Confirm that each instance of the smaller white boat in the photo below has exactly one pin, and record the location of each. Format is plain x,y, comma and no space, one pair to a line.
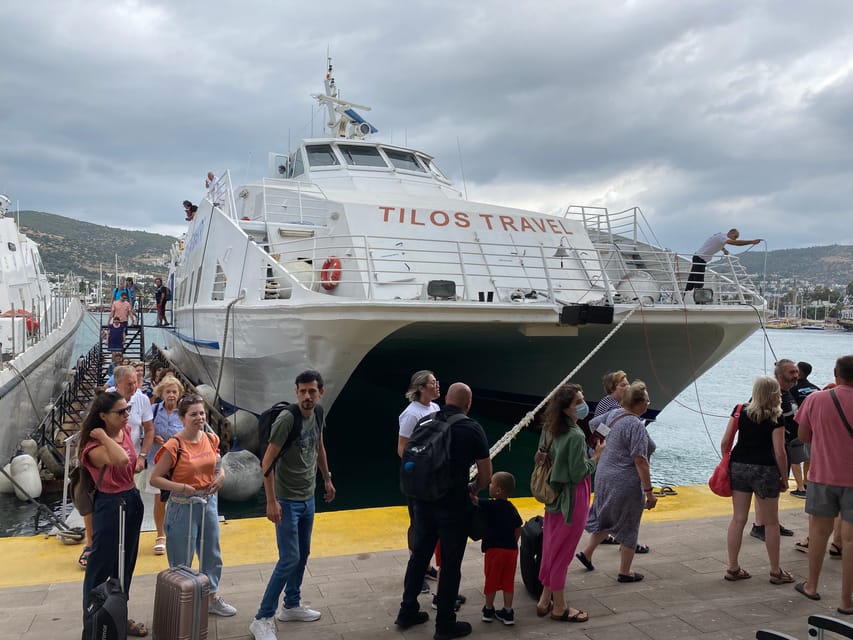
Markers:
37,327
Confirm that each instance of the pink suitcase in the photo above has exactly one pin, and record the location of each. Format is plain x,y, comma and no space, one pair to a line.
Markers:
181,597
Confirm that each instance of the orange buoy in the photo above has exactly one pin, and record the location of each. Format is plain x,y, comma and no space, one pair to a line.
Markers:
330,274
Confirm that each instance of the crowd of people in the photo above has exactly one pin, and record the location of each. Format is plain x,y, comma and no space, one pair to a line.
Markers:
127,427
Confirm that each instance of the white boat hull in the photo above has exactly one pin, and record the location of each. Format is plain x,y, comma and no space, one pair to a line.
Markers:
32,379
516,352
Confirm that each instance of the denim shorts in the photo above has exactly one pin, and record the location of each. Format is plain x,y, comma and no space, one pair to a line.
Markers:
761,479
829,500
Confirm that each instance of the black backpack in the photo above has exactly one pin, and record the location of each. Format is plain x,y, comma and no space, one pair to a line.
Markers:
425,465
268,417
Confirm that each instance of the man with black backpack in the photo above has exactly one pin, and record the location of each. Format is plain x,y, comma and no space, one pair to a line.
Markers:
294,454
434,473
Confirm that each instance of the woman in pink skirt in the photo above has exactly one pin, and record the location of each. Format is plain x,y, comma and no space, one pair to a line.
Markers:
563,440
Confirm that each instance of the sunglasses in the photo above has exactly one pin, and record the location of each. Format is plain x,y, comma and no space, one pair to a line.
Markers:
125,411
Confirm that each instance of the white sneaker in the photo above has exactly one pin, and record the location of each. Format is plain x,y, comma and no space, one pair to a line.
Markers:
263,629
300,613
219,607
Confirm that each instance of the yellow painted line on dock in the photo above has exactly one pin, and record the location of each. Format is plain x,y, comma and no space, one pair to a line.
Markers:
39,560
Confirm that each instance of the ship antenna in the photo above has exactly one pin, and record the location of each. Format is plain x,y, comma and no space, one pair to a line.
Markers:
462,167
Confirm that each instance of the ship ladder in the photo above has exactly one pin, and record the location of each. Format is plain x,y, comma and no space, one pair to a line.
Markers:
507,438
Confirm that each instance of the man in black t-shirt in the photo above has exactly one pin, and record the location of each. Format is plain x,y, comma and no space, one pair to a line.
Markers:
447,520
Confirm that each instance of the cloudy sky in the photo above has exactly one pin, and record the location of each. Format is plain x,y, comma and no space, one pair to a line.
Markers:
706,114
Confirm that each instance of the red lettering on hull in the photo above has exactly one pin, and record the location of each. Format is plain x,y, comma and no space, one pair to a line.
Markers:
463,220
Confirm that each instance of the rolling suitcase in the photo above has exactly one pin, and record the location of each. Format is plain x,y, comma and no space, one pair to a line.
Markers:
181,596
105,618
530,555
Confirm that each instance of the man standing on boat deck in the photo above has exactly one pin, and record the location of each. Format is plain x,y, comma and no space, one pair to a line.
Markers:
290,504
785,372
825,422
447,520
708,250
162,295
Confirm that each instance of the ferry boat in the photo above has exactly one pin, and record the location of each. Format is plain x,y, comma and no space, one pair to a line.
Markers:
361,259
37,330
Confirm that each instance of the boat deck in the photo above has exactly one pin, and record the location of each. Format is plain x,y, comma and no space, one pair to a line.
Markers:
355,574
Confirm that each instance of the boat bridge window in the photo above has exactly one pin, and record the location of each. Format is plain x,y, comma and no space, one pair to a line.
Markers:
403,160
362,156
321,155
298,167
434,169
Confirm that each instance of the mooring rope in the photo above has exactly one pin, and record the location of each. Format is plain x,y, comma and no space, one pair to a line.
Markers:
510,435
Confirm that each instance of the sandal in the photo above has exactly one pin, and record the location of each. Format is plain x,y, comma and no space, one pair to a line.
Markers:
737,574
834,550
665,490
781,577
575,617
160,545
610,540
137,629
641,548
83,560
580,555
802,546
544,612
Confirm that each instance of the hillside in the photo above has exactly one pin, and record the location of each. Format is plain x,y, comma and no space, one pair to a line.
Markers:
827,265
72,245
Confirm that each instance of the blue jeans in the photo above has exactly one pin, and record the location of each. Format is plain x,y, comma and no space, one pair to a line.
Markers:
179,528
293,537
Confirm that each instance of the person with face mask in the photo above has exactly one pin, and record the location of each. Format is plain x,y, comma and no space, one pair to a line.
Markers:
623,483
564,443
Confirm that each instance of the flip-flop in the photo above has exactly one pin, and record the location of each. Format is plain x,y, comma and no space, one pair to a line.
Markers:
845,612
641,548
802,546
576,617
83,560
801,587
580,555
834,550
665,490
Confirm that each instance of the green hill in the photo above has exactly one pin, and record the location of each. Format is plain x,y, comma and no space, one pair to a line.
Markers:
827,265
81,247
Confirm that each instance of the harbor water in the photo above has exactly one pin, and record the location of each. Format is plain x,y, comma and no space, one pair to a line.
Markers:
362,427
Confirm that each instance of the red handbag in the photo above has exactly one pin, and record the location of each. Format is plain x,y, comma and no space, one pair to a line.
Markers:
720,481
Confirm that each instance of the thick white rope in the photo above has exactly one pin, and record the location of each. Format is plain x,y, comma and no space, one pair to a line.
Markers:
510,435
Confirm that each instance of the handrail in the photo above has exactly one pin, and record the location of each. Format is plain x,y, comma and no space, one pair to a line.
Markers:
373,266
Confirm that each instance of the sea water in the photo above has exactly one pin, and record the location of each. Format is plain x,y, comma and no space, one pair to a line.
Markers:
688,431
362,430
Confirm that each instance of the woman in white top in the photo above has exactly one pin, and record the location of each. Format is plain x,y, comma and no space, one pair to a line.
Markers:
423,389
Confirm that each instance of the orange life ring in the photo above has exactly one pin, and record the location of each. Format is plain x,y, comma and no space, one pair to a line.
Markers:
31,323
330,274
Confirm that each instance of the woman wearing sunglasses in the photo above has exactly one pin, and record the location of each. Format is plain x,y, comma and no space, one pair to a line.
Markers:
107,452
188,466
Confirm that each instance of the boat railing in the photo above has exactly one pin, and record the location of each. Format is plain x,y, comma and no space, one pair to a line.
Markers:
29,325
398,268
221,194
294,202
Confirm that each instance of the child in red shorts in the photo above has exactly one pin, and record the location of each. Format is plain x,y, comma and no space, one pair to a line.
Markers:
500,544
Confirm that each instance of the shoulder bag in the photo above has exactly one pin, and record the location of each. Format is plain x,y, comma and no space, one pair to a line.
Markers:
83,488
840,411
540,479
721,481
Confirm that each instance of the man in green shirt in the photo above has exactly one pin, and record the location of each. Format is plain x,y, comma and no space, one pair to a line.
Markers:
290,505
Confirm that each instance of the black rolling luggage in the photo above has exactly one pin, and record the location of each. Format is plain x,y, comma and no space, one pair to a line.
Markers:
106,616
530,555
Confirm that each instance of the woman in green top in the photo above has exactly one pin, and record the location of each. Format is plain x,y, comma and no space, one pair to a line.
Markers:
563,440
